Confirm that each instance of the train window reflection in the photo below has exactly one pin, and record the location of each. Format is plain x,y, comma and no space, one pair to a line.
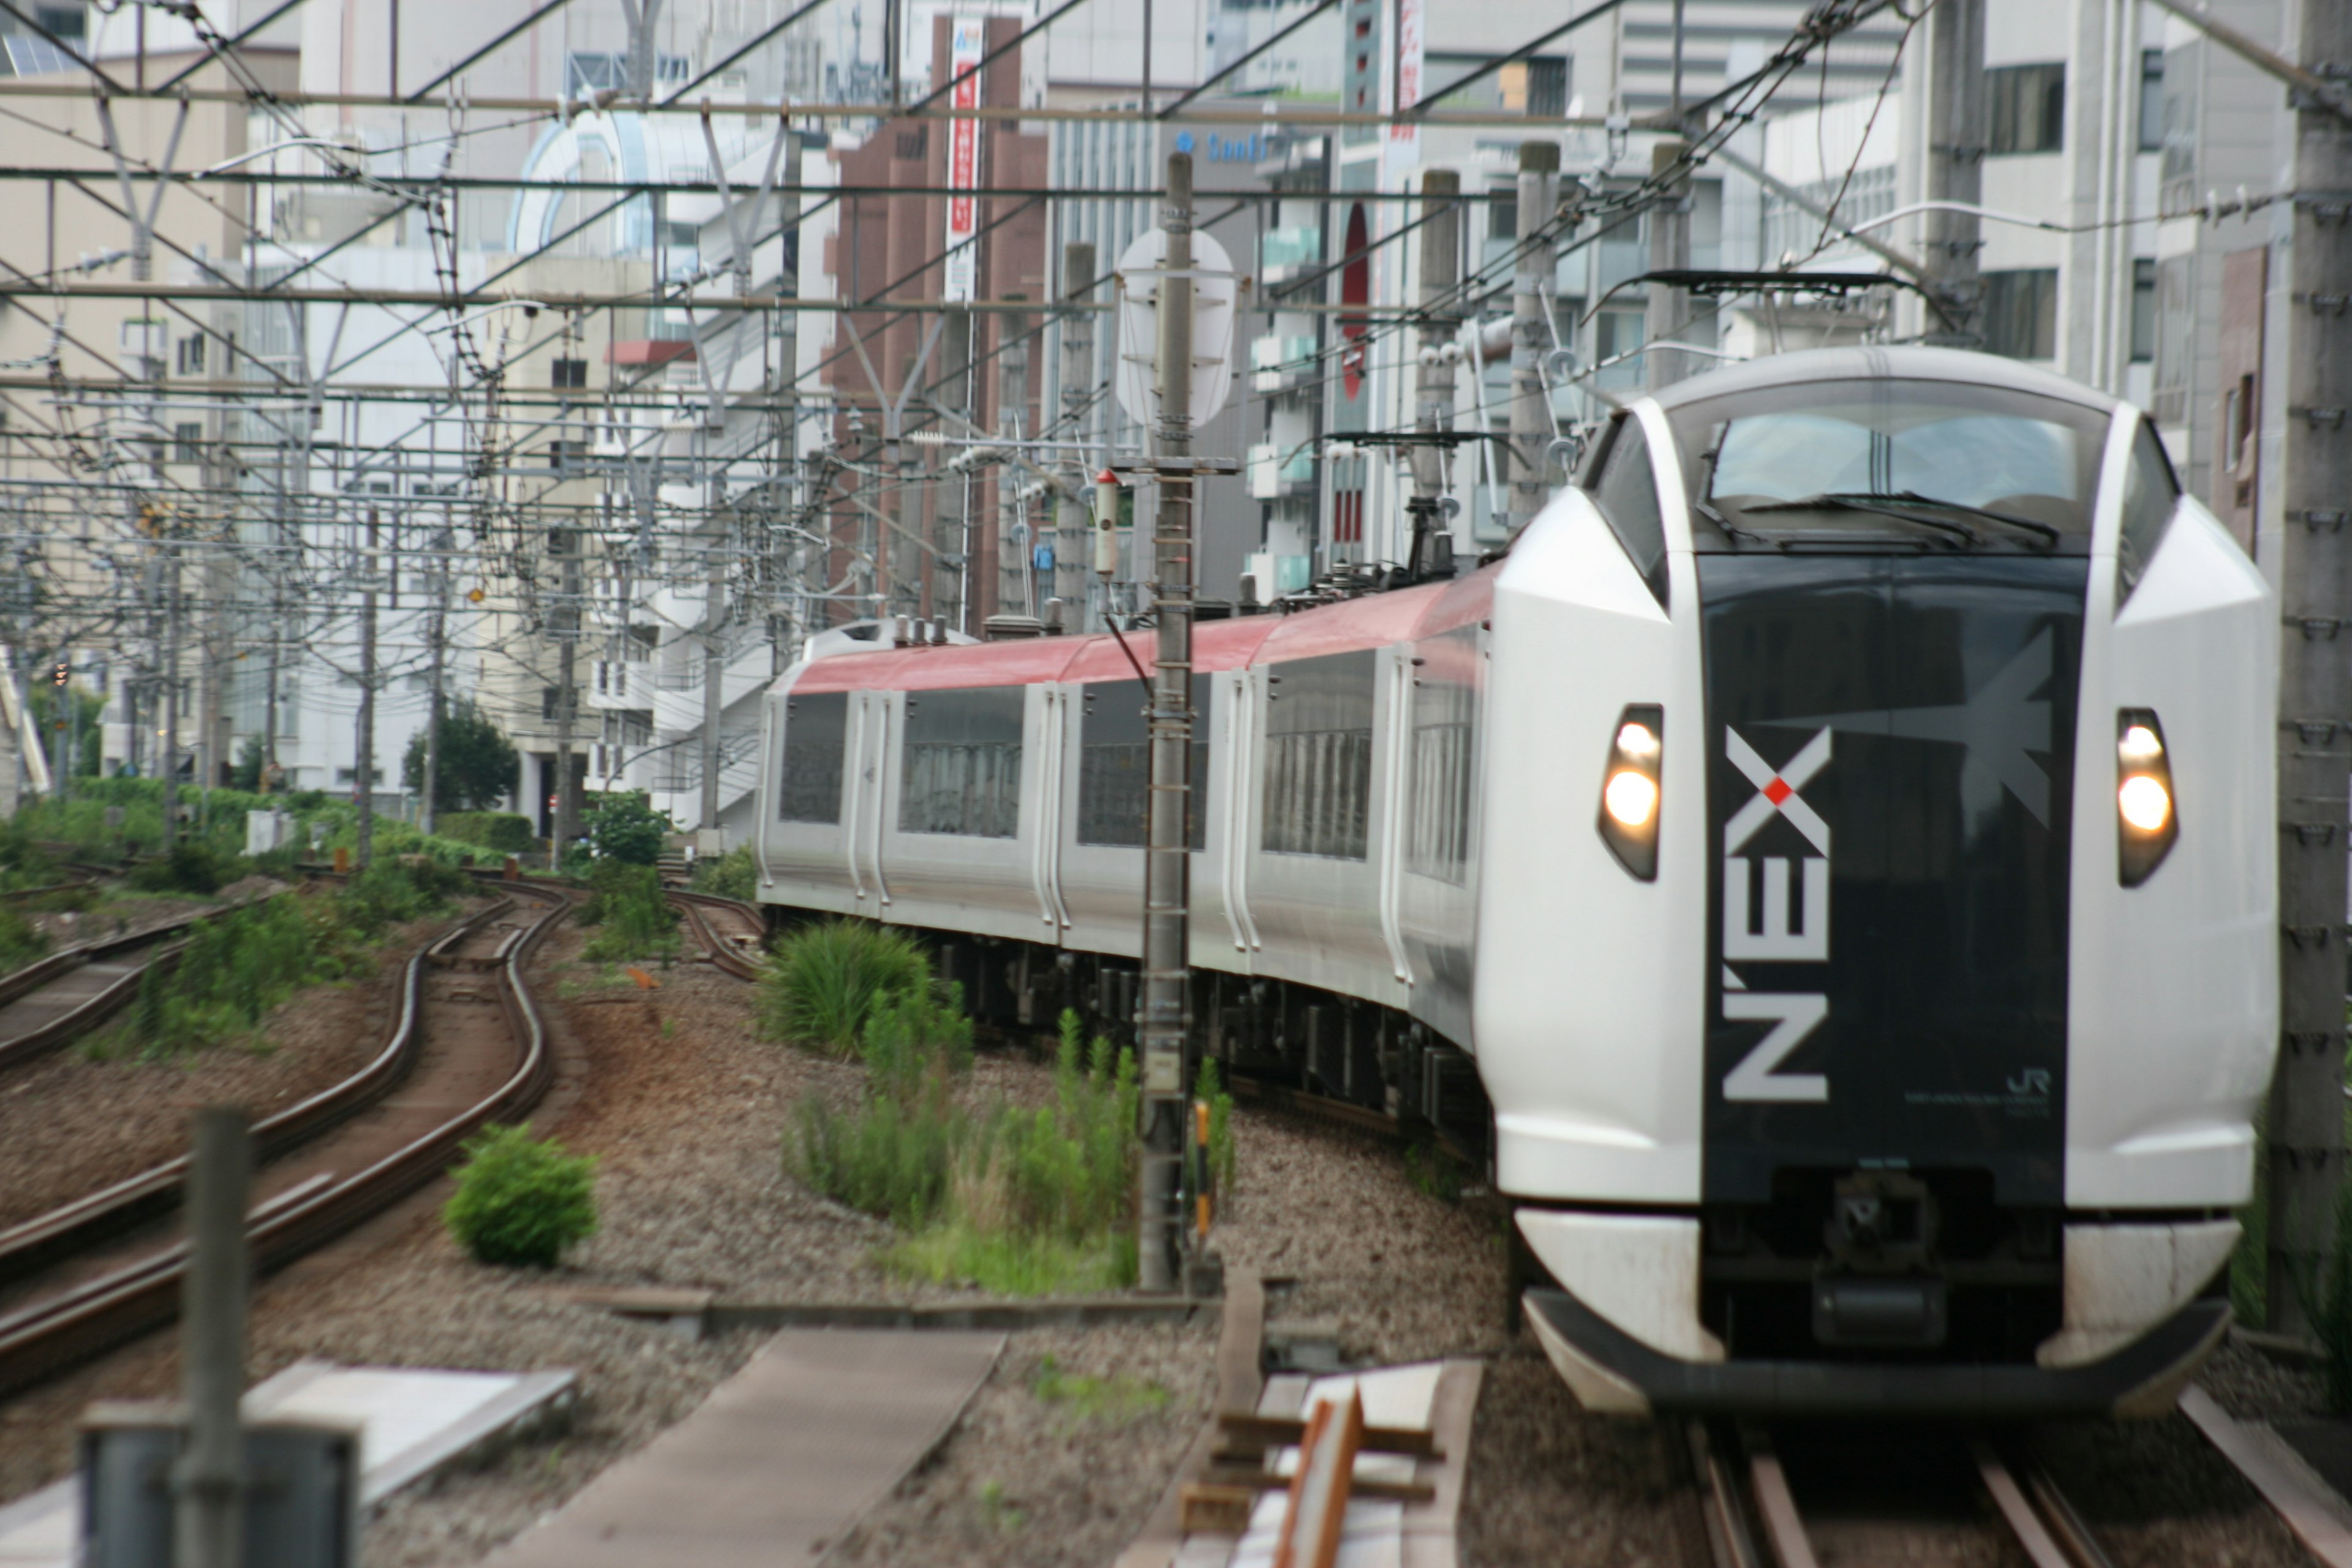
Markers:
1959,465
962,763
809,783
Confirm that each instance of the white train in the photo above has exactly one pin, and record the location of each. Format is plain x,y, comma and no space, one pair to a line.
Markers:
1837,839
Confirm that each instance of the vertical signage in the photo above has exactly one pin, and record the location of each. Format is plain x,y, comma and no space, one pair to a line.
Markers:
1404,136
969,37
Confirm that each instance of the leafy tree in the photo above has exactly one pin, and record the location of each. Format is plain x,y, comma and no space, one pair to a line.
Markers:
83,712
625,827
477,764
246,773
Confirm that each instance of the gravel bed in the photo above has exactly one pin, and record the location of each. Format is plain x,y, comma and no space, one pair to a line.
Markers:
1042,1475
2158,1496
71,1123
2255,1386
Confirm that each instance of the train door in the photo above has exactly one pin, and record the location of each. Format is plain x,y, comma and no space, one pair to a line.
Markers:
866,797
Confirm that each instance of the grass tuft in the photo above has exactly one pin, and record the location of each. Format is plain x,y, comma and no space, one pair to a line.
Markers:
1117,1401
827,980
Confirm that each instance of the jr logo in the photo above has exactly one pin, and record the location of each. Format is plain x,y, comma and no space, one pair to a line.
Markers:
1779,937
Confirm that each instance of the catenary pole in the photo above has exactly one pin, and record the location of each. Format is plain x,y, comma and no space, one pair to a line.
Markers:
1957,115
1433,374
1071,550
1531,422
1167,889
363,737
2305,425
1668,310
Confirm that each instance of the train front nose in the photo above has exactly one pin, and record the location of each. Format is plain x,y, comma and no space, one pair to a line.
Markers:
1888,791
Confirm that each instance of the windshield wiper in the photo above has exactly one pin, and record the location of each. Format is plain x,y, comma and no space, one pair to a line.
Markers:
1879,505
2048,535
1730,529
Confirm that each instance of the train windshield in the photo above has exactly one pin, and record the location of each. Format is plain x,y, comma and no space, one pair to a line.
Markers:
1885,464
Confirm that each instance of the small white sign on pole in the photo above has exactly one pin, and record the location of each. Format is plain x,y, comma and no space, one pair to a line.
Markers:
968,42
1214,319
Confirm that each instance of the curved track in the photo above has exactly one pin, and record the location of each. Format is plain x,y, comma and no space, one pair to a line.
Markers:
468,1049
730,930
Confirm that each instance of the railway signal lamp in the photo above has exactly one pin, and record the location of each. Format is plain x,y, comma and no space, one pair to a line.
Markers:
1630,789
2145,824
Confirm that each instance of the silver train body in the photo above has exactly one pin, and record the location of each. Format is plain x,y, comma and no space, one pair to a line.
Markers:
1827,863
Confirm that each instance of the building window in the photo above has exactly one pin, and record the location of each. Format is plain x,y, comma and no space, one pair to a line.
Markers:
191,357
188,442
2029,107
814,732
2151,101
2021,313
1503,213
2175,315
1318,764
1115,765
65,22
2143,317
570,372
962,765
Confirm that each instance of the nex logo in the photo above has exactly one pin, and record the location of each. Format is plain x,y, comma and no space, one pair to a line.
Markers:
1804,939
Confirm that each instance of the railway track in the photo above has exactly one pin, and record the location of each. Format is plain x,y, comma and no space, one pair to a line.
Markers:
468,1047
56,1000
1799,1497
731,931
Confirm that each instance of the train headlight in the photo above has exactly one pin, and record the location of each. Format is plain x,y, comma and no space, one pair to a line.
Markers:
2145,824
1630,788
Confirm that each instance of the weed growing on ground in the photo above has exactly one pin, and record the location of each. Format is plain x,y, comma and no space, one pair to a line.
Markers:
237,966
521,1200
625,901
829,979
21,940
1017,1200
1117,1401
1209,1089
996,1513
1433,1171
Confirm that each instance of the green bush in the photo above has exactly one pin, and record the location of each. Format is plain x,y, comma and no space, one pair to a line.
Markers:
1209,1089
500,832
521,1200
734,875
625,827
21,940
636,922
891,1156
829,979
191,866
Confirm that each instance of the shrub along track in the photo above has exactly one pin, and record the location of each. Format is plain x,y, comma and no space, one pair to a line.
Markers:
730,930
468,1047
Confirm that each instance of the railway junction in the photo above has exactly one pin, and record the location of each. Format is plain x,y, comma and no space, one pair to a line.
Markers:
1175,782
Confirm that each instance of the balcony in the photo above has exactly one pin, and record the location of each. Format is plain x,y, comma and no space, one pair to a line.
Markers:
1273,475
1280,363
1287,255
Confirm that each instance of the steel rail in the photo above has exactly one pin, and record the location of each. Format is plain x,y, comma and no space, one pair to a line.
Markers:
724,954
43,1338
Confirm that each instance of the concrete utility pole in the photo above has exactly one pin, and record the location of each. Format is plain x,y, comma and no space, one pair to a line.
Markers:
564,544
1071,552
1167,863
714,672
1014,578
168,750
1531,423
208,1481
1959,116
951,596
2307,428
1441,246
1667,317
363,737
428,809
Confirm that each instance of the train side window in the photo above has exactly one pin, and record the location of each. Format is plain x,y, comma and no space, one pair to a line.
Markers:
814,728
961,771
1444,716
1114,764
1626,490
1318,756
2151,495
